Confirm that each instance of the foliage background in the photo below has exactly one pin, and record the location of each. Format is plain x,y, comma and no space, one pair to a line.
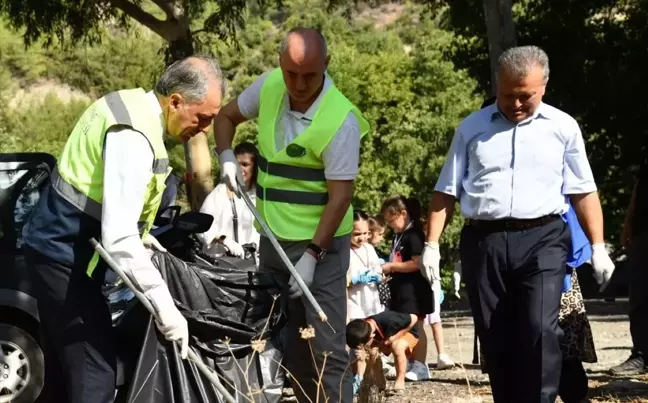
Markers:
415,70
398,75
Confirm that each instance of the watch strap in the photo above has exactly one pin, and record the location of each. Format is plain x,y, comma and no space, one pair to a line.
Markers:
319,252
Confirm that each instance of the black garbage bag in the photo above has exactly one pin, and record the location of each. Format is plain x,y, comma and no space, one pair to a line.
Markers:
228,309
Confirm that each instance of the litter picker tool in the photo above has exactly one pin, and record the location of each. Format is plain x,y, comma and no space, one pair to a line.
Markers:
211,375
282,254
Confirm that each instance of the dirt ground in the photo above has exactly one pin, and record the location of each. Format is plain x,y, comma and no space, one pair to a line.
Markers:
467,384
610,326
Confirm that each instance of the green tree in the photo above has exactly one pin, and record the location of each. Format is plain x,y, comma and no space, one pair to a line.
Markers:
398,75
596,74
400,79
22,132
175,21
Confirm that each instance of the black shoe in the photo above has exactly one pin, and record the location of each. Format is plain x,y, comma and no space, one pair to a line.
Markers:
632,366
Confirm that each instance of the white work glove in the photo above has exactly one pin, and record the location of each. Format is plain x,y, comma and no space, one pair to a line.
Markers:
171,323
150,242
602,265
234,248
456,280
430,261
306,269
230,170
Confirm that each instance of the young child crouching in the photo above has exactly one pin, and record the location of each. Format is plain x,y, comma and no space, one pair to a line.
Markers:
393,333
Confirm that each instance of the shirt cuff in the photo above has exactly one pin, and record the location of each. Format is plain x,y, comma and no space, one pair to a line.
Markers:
581,188
342,177
449,190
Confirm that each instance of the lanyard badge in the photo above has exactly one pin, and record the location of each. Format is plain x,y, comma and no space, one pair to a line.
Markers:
395,255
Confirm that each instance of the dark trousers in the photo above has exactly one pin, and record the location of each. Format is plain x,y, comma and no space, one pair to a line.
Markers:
638,295
76,333
307,358
573,382
514,281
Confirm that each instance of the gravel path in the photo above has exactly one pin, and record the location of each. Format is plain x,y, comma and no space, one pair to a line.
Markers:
612,339
462,385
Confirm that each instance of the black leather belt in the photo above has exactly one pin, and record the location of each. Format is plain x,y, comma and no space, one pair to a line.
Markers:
512,224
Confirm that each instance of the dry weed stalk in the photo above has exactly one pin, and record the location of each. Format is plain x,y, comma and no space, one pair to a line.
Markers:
373,382
460,345
258,347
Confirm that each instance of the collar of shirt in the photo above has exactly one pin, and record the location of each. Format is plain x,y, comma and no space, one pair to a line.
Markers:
309,115
541,112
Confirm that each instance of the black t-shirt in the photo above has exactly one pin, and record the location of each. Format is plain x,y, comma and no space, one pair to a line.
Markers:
410,292
390,323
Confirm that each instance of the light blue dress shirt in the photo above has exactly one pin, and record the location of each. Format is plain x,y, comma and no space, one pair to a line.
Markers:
500,169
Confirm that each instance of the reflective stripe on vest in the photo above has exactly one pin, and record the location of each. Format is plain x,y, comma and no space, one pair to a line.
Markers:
291,196
83,202
291,172
291,184
75,197
79,174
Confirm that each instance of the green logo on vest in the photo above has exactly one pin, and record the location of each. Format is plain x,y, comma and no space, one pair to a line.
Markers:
295,151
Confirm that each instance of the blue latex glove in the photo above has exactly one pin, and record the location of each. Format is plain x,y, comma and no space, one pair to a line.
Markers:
357,382
373,278
360,278
365,278
567,283
381,261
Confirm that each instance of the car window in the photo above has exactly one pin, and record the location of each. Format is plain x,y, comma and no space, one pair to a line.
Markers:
26,195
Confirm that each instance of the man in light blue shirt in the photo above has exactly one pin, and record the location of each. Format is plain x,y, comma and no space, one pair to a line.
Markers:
512,166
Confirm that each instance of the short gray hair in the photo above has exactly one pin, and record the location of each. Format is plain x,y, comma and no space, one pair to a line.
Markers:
300,30
520,60
190,79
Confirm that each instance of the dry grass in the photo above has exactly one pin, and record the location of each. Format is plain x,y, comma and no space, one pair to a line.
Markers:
469,389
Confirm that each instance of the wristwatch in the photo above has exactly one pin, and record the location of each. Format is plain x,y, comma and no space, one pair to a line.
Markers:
319,252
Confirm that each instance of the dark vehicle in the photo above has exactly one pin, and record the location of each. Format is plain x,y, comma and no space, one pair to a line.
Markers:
23,176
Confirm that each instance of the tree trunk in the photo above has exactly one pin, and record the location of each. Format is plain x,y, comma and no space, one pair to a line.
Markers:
176,30
197,153
501,33
198,159
181,47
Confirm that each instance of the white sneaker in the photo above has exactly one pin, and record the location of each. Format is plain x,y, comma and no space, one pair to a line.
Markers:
385,361
418,372
390,370
444,362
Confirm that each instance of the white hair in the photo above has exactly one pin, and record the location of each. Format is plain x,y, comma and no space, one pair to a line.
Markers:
190,79
519,61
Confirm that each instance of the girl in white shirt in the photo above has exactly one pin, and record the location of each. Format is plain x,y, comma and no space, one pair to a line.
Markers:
364,272
226,208
363,277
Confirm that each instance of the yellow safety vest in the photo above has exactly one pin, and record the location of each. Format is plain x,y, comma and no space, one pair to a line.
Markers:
79,174
291,186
